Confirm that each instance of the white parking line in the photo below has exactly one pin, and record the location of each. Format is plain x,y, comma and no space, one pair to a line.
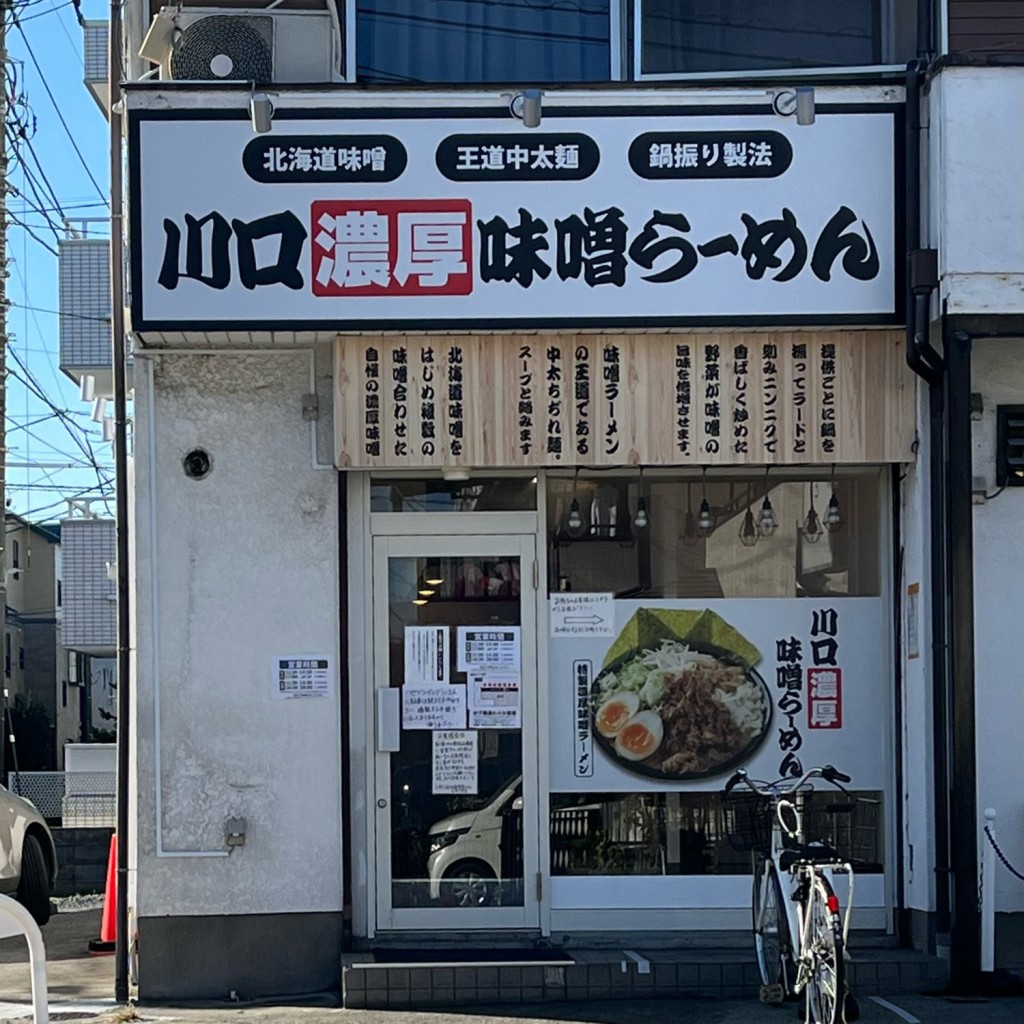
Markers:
893,1008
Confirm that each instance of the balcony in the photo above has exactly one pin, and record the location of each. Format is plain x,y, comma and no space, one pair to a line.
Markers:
88,546
95,47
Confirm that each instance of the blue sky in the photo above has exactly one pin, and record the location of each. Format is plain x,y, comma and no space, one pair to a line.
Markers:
39,442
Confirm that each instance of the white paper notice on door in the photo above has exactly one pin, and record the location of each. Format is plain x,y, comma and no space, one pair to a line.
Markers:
454,763
426,655
496,646
433,707
495,700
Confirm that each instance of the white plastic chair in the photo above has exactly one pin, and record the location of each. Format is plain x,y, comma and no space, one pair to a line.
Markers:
16,920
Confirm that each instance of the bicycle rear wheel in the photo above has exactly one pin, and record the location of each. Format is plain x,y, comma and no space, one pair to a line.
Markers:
772,942
826,984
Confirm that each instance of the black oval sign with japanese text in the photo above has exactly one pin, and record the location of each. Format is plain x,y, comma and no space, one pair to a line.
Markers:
657,155
312,159
518,156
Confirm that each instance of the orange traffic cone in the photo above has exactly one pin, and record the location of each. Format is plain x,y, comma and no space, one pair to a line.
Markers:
108,925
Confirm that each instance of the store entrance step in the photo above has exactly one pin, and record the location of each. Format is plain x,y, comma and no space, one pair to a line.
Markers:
399,981
468,955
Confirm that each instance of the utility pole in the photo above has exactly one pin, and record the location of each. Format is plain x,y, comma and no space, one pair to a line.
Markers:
4,5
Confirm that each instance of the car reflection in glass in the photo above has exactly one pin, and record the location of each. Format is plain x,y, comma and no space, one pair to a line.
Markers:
465,859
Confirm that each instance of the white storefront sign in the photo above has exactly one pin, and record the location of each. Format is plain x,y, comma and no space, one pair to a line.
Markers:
461,218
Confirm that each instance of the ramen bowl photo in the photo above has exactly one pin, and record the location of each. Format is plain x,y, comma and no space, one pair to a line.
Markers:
669,703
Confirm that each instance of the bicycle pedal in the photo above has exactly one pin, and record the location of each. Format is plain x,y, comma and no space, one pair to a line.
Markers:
774,995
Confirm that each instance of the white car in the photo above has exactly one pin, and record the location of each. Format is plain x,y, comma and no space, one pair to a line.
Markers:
28,857
465,850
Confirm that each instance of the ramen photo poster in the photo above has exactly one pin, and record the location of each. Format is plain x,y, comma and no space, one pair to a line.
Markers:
681,694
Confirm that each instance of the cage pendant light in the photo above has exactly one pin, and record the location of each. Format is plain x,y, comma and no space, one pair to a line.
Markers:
812,524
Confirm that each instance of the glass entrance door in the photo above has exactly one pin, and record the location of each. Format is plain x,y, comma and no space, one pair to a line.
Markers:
455,694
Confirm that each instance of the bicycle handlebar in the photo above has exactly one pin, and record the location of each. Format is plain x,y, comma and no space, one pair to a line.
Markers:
827,772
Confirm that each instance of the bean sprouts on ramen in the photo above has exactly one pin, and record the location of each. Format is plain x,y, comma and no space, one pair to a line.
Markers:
705,710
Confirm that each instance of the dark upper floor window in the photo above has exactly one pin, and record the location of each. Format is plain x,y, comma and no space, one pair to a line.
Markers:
468,41
523,42
700,36
15,555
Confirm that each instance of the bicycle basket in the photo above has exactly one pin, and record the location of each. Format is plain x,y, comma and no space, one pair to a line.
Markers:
748,823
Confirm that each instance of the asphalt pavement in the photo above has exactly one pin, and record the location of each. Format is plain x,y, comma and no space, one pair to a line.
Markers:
81,989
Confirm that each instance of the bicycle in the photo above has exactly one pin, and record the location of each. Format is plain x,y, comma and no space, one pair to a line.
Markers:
799,941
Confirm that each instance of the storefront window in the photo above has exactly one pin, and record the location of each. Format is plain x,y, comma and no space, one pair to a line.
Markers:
688,36
458,41
507,494
597,544
696,833
701,624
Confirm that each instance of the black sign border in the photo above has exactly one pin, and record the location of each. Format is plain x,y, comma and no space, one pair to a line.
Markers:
140,324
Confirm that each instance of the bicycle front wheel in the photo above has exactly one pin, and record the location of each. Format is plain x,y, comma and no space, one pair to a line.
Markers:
826,983
771,930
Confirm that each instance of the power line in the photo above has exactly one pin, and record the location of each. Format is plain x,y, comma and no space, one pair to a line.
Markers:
39,391
63,501
56,107
52,10
37,206
21,224
57,312
35,318
35,157
33,206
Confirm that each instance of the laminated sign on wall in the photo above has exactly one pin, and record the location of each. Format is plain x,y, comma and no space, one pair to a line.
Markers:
461,219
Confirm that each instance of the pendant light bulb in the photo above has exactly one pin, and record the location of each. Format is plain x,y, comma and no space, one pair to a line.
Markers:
641,520
767,523
833,515
748,531
575,520
705,524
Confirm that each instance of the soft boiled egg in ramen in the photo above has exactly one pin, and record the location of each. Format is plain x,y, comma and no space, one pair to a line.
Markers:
640,736
615,712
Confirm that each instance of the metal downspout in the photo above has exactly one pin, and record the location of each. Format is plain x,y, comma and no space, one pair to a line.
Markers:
929,364
965,932
121,500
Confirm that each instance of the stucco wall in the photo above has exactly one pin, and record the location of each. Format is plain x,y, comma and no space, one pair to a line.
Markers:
998,374
246,565
975,153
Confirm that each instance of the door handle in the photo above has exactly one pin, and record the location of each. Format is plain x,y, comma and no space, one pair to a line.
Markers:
389,720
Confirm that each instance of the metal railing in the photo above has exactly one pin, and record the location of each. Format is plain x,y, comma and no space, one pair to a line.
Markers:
69,799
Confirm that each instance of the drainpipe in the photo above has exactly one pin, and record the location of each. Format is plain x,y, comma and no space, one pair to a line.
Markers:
964,939
121,500
926,362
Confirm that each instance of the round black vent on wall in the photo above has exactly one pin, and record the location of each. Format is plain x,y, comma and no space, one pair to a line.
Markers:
225,48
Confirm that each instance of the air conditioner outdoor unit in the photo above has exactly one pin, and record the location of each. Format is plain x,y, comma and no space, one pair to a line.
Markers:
249,45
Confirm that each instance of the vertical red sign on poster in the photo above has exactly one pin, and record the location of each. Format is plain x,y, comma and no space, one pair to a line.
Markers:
824,698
